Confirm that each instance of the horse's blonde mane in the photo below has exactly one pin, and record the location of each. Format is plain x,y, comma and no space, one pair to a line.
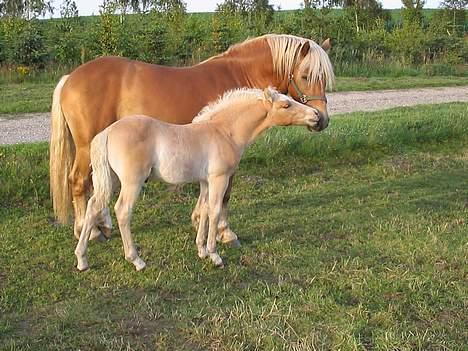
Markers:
232,96
285,53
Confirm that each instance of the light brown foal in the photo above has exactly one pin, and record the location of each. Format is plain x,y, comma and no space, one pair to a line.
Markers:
207,151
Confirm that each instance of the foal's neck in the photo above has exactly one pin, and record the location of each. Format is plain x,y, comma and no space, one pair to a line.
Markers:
243,125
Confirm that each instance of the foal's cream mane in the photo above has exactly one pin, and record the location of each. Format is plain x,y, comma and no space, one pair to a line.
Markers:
285,53
228,98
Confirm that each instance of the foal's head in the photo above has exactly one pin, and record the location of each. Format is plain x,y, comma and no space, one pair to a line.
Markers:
285,111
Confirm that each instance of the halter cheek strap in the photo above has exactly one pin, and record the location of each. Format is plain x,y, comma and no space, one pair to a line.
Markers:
302,97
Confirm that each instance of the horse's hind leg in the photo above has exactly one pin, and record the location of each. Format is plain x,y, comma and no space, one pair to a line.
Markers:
79,179
123,210
197,211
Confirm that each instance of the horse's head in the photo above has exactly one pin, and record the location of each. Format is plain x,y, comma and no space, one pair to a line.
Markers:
284,111
309,79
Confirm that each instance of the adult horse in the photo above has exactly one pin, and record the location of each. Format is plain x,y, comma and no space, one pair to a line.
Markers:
104,90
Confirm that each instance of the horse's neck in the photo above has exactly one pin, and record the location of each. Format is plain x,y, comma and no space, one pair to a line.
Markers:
244,124
242,68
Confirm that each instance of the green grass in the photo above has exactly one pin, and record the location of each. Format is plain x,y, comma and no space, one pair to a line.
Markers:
37,97
353,239
26,97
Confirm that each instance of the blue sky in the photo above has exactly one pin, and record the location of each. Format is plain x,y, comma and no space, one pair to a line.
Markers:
88,7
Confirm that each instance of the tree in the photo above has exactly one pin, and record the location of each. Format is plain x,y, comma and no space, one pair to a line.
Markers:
456,8
25,8
67,46
412,11
365,13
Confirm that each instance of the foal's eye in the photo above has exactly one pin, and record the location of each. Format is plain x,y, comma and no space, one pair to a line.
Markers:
304,77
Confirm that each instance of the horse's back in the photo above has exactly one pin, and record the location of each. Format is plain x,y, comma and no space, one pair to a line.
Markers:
106,89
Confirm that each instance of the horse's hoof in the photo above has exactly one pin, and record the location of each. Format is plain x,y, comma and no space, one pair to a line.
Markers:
233,243
102,238
106,232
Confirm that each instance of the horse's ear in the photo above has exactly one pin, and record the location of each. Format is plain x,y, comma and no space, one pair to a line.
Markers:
305,49
268,95
326,45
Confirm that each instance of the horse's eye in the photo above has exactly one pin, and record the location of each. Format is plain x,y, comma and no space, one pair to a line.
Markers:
304,77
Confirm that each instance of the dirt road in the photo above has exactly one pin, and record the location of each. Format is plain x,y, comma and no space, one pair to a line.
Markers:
34,127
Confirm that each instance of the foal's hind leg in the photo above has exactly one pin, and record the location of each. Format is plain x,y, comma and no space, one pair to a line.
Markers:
80,184
123,210
92,213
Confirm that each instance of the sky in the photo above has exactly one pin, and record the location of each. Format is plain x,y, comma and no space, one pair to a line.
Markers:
89,7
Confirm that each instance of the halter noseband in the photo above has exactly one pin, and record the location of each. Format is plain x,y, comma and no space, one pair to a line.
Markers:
302,97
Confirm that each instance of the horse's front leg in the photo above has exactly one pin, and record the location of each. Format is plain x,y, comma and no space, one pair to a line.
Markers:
217,186
225,234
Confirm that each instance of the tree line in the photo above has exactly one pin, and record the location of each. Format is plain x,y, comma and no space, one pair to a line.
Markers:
366,38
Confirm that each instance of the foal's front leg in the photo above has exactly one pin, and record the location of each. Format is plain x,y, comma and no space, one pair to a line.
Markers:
216,188
225,234
202,225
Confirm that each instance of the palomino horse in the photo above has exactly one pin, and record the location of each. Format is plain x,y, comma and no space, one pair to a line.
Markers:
104,90
209,150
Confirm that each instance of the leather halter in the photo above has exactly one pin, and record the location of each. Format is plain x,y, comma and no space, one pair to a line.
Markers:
302,97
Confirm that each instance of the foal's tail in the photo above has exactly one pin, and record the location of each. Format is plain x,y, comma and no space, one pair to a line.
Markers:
102,178
61,155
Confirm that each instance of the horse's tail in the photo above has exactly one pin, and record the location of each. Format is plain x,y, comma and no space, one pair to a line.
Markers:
61,155
102,178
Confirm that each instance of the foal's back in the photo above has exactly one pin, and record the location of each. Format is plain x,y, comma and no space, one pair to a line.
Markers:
141,146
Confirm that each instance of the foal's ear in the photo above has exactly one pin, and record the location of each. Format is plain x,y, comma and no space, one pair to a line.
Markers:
268,95
326,45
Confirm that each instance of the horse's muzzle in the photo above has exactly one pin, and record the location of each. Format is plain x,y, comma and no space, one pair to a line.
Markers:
322,122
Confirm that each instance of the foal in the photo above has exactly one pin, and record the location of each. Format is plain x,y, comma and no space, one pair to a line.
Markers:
207,151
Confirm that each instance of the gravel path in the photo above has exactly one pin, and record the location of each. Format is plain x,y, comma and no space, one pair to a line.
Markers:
33,127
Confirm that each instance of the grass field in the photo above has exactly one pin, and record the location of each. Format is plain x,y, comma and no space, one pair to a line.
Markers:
353,239
36,97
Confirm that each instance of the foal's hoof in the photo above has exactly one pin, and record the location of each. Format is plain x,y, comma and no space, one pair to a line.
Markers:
139,264
82,267
217,261
202,252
